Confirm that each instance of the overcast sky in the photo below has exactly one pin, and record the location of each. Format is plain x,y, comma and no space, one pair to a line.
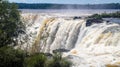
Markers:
67,1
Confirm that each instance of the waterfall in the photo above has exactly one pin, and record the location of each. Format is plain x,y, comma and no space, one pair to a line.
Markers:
89,46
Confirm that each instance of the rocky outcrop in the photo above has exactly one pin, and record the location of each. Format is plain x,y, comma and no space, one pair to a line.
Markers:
91,21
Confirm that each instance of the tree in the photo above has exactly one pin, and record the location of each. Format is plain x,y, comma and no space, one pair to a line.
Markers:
10,24
10,27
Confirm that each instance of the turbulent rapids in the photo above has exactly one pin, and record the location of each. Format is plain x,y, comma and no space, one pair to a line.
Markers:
97,45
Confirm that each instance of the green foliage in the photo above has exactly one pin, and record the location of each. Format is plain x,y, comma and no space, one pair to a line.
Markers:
10,27
41,60
10,24
36,60
10,57
106,15
96,16
57,61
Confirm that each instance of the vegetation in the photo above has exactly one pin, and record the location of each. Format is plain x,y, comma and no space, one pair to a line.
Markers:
106,15
35,60
98,18
10,24
69,6
57,61
41,60
10,27
10,57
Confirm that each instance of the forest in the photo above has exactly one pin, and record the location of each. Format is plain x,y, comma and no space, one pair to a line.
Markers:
68,6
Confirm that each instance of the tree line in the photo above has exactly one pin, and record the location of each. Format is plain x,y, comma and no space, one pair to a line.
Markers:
68,6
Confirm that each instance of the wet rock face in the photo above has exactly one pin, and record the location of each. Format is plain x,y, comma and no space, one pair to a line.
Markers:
91,21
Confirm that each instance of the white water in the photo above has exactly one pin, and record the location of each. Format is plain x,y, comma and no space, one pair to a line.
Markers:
97,45
69,12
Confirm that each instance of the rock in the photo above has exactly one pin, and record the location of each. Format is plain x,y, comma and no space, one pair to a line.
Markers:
76,17
91,21
48,54
60,50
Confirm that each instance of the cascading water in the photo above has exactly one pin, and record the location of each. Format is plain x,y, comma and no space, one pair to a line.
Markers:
89,46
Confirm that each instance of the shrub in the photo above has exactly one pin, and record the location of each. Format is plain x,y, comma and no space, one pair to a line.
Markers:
57,61
10,57
96,16
35,60
106,15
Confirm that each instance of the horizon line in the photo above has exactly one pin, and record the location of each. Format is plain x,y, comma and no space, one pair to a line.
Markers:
67,4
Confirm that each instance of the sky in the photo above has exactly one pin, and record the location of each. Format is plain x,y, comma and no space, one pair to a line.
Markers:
67,1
